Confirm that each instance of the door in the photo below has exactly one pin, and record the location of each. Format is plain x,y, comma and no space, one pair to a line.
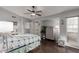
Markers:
49,33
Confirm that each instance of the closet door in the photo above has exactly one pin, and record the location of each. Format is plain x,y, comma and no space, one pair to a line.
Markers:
49,33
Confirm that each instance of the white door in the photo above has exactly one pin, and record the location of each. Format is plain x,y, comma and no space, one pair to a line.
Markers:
49,33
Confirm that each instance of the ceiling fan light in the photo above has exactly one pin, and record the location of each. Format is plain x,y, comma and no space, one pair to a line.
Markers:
33,14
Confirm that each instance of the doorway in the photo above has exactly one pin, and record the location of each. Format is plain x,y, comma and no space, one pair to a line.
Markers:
72,32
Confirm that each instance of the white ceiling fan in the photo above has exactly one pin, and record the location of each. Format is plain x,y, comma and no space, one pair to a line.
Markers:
34,11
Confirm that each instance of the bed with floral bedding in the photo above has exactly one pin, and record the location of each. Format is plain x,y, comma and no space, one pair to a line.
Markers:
18,43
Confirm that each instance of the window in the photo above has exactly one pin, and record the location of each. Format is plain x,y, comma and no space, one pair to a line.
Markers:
72,24
6,26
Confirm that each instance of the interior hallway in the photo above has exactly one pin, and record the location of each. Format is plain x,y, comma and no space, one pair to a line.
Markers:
49,46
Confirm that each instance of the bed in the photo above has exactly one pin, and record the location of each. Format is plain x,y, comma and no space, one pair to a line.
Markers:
18,43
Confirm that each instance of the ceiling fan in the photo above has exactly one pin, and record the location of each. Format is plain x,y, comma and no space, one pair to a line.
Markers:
34,11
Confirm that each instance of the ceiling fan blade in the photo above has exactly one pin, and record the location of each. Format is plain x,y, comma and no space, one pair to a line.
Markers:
27,13
29,10
39,14
38,11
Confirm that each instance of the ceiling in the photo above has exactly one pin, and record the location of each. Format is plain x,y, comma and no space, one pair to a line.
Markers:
46,10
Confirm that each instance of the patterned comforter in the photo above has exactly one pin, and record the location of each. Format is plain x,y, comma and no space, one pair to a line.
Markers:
10,42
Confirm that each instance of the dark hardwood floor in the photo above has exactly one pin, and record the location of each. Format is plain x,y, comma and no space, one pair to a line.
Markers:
49,46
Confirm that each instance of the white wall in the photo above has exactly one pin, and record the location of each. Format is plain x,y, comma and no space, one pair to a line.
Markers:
50,22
